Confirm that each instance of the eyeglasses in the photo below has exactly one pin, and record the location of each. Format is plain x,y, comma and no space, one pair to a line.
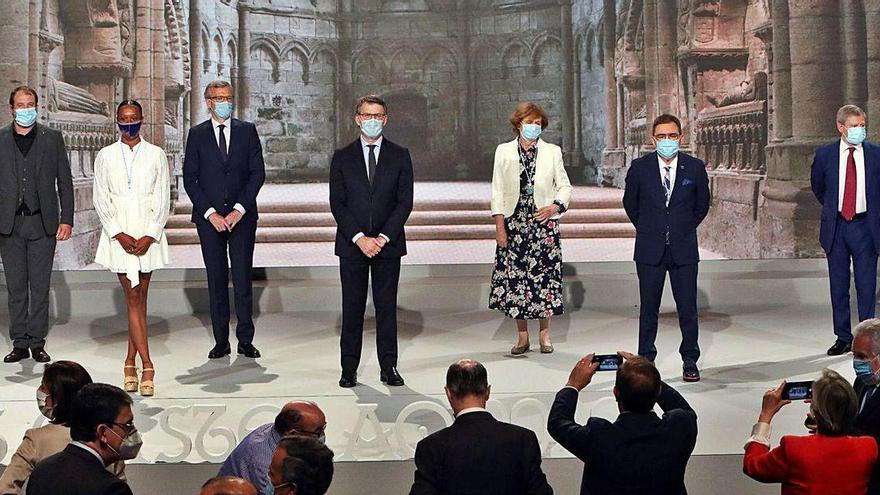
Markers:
222,99
128,427
316,433
672,135
369,116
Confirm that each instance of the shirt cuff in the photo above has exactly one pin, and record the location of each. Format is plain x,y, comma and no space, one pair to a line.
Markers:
569,386
356,237
239,208
760,434
210,212
154,230
387,240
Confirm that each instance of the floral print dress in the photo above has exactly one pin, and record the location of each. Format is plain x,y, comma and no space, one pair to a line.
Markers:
527,280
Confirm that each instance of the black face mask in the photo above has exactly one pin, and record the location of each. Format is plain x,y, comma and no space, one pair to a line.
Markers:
130,130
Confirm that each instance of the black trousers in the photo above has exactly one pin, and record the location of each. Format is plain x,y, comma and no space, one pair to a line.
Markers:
27,255
219,251
355,274
684,290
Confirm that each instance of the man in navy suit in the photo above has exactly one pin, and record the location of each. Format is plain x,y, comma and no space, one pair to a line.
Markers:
843,177
667,196
371,196
222,174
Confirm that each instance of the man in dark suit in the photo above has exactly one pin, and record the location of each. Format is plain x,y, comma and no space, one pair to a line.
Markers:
478,454
866,362
34,178
640,452
666,197
223,172
102,432
844,179
371,196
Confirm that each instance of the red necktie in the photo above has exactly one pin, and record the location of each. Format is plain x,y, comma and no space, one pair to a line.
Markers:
848,210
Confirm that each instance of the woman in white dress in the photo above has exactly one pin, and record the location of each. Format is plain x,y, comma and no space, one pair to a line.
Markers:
132,198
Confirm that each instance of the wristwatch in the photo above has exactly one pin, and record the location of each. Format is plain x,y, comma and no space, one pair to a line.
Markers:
561,206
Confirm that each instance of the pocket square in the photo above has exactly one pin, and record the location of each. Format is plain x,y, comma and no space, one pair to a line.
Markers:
686,182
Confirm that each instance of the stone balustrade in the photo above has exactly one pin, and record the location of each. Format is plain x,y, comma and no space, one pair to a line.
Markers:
732,138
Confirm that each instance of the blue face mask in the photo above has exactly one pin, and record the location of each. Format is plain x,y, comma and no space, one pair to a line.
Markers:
855,135
270,488
531,132
131,130
667,148
224,110
371,128
25,117
862,367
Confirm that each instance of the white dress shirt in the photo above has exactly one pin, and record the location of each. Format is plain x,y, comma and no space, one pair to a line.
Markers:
673,166
859,155
760,434
88,449
227,133
365,147
470,410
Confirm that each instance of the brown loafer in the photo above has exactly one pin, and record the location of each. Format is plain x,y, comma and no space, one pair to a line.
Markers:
520,349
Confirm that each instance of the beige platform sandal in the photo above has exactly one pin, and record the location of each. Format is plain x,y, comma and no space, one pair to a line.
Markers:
130,383
147,388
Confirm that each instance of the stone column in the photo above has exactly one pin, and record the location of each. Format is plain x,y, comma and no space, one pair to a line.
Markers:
854,51
14,39
790,215
872,25
652,63
613,157
781,71
197,112
569,150
242,84
467,132
148,85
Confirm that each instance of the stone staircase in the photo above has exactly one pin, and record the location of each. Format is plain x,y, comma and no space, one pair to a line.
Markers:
300,213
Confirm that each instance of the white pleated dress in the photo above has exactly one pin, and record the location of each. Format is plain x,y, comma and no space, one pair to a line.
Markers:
132,194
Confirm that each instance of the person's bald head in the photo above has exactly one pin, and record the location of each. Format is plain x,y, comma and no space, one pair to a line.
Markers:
228,485
301,417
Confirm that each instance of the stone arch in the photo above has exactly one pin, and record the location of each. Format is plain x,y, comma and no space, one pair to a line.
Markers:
542,47
369,66
441,59
266,53
485,56
231,55
206,51
633,21
405,65
515,55
589,47
217,52
295,53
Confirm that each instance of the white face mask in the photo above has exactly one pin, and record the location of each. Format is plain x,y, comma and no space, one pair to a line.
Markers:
45,410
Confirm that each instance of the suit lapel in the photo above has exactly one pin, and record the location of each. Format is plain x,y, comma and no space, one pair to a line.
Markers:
381,163
679,176
660,191
7,144
40,148
212,138
235,138
357,158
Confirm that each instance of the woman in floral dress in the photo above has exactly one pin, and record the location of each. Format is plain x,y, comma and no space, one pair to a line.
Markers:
530,191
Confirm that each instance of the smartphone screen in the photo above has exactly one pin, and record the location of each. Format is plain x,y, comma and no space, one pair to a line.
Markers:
798,391
608,362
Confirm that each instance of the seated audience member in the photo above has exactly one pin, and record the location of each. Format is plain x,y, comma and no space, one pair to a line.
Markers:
251,458
866,362
828,462
60,384
639,453
477,454
228,485
300,466
102,432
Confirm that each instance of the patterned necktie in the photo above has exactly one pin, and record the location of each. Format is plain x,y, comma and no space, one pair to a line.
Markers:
848,209
372,163
667,183
223,150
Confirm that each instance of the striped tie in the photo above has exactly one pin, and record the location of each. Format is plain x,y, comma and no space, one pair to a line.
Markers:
667,184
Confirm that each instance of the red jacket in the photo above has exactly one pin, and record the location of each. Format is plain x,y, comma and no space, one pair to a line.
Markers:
814,464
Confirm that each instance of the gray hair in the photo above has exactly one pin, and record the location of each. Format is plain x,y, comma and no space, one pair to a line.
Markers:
835,404
847,111
871,329
216,83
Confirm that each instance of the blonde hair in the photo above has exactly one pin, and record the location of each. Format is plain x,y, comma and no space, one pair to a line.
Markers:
835,404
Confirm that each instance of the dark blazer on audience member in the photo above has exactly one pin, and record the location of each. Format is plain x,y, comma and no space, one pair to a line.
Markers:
638,454
74,471
479,455
868,423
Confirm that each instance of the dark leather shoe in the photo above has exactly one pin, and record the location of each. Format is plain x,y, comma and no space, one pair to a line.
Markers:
348,380
17,354
219,351
248,350
690,372
840,347
40,355
391,377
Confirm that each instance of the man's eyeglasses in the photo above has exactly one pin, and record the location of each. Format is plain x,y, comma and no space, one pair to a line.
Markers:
315,433
128,427
222,99
673,135
369,116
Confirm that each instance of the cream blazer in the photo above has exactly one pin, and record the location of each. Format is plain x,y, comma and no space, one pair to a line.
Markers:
551,181
38,444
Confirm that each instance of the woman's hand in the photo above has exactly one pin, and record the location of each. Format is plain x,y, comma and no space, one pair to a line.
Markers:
772,403
501,236
126,241
544,214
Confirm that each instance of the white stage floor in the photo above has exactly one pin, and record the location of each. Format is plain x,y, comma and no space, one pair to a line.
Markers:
761,322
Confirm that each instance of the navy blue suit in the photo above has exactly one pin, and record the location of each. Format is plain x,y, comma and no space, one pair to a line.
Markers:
380,208
857,241
645,202
212,182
